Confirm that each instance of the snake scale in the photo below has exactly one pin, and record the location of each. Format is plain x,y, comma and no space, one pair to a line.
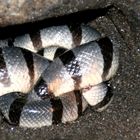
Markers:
51,75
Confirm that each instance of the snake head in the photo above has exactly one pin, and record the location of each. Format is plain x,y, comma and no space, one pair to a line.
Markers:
41,89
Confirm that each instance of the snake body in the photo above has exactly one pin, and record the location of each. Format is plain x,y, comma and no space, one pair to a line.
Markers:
61,90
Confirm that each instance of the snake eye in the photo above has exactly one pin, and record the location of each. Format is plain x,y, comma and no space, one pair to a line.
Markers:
41,89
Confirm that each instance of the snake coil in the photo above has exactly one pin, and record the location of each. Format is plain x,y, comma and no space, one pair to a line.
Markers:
50,76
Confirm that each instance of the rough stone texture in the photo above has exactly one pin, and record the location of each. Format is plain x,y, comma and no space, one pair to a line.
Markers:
121,120
21,11
131,9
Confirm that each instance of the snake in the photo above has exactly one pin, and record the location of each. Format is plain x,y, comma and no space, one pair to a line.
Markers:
51,75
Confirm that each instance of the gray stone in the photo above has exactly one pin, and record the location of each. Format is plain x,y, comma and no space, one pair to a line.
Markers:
21,11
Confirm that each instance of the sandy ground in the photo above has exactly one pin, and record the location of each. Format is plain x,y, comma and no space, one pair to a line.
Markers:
121,120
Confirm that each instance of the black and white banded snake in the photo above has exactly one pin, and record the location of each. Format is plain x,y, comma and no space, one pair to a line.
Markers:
58,91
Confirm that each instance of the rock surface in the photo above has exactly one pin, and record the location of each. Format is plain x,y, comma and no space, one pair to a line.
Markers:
23,11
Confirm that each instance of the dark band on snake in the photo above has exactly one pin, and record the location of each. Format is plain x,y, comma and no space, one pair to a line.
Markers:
36,39
78,96
2,61
57,107
41,89
107,51
67,57
76,32
4,78
11,42
41,52
28,56
59,52
16,109
70,63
